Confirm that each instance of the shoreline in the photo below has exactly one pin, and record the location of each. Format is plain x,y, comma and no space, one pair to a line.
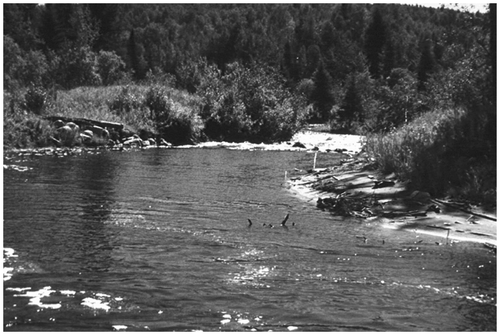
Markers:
354,188
305,140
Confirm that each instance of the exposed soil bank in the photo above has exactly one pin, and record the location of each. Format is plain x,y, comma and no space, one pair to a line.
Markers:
354,188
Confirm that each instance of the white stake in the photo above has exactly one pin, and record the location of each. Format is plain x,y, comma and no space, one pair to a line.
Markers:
314,164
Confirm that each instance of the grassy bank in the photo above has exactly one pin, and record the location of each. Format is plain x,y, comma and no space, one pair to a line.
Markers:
153,110
242,104
444,152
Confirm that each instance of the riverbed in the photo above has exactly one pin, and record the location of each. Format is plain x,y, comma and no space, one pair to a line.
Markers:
159,239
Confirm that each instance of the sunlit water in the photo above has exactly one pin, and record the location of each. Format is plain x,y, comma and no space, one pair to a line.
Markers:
159,240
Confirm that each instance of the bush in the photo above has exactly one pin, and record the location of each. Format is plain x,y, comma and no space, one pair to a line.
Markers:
74,67
23,130
437,151
36,98
176,122
126,101
249,104
158,102
110,67
23,68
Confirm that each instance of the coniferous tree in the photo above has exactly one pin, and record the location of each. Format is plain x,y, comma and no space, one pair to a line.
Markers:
52,28
374,43
327,36
322,95
351,107
389,58
109,22
302,62
426,65
290,62
313,59
137,63
21,23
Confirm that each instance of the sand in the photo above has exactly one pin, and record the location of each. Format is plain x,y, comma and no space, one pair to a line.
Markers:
398,206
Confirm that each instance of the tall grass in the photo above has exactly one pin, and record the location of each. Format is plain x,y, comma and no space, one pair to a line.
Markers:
121,104
96,103
441,152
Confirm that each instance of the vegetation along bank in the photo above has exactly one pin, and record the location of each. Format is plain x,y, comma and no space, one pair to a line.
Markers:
419,83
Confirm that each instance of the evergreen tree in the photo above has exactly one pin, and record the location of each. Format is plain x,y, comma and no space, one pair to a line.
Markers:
289,62
374,43
302,62
137,63
426,65
313,59
322,95
389,58
109,22
21,23
351,108
327,36
51,29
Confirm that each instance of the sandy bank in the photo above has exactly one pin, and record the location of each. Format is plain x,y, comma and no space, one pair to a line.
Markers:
354,188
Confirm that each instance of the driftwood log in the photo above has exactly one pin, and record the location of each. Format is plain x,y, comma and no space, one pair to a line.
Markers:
464,210
82,122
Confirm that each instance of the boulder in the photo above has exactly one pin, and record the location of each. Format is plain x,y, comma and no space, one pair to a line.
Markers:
100,132
68,134
298,145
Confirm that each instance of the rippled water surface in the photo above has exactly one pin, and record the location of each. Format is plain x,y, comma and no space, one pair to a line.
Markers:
159,240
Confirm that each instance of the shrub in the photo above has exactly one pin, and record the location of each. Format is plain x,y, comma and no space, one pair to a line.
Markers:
182,127
23,68
158,102
74,67
35,98
249,104
437,151
174,121
23,130
13,64
110,67
305,88
126,101
400,150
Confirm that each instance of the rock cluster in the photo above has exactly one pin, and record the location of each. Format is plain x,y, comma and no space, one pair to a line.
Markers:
90,133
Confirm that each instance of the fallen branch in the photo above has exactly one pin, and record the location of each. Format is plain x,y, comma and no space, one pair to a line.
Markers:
438,227
464,210
318,179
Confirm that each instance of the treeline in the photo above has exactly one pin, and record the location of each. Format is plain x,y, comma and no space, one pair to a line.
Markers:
359,67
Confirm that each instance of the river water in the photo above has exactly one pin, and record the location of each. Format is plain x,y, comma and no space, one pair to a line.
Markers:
158,239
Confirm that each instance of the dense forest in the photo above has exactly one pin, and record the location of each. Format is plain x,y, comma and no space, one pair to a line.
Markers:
258,72
370,67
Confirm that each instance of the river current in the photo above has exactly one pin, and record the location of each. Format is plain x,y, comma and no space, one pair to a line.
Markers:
159,240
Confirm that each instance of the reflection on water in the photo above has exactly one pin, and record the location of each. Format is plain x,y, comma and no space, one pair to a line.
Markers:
159,240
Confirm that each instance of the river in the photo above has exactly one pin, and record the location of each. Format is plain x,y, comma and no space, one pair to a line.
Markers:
159,240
